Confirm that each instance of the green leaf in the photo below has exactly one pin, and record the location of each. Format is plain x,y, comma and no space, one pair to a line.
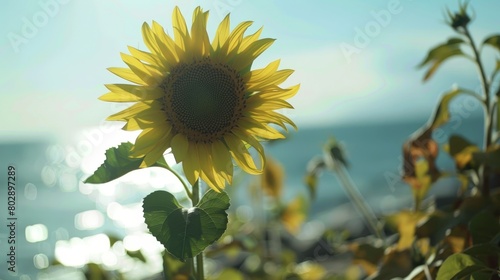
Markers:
483,227
477,272
117,164
460,265
493,41
442,114
461,150
486,249
186,232
490,158
439,54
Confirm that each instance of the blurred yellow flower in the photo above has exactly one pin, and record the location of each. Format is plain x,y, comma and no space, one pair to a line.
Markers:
294,214
272,178
201,99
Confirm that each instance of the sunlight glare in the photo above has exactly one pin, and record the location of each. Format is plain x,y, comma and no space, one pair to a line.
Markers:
36,233
89,220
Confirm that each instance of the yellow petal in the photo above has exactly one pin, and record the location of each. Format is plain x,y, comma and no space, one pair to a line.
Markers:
235,38
257,75
280,94
134,110
245,58
147,119
260,130
127,74
181,34
200,45
149,40
222,33
130,93
250,39
222,161
180,147
254,102
191,165
144,56
168,49
248,138
147,75
207,168
271,79
136,124
241,155
146,141
155,154
272,117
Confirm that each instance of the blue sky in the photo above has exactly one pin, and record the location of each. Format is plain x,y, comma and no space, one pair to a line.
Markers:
55,53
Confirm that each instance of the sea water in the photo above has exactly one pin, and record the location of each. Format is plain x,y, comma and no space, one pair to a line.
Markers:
51,198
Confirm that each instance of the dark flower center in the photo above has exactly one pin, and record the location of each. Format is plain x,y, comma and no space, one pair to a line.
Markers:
203,100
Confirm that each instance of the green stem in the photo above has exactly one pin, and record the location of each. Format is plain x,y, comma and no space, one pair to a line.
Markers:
195,198
188,192
356,198
488,124
164,261
191,267
472,93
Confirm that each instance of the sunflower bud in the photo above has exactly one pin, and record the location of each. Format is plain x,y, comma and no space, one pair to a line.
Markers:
458,20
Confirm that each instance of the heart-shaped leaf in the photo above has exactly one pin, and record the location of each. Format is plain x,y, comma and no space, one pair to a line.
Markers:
186,232
117,164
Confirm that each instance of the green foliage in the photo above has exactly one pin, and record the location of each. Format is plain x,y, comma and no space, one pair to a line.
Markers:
440,53
461,265
118,163
490,158
483,227
462,152
466,229
442,115
492,41
186,232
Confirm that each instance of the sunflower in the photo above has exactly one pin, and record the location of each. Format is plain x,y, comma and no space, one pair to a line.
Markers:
201,99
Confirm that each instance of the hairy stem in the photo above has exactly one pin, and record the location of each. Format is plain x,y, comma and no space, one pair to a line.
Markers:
488,123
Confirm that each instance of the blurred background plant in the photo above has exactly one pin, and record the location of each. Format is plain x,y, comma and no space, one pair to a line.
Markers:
459,239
